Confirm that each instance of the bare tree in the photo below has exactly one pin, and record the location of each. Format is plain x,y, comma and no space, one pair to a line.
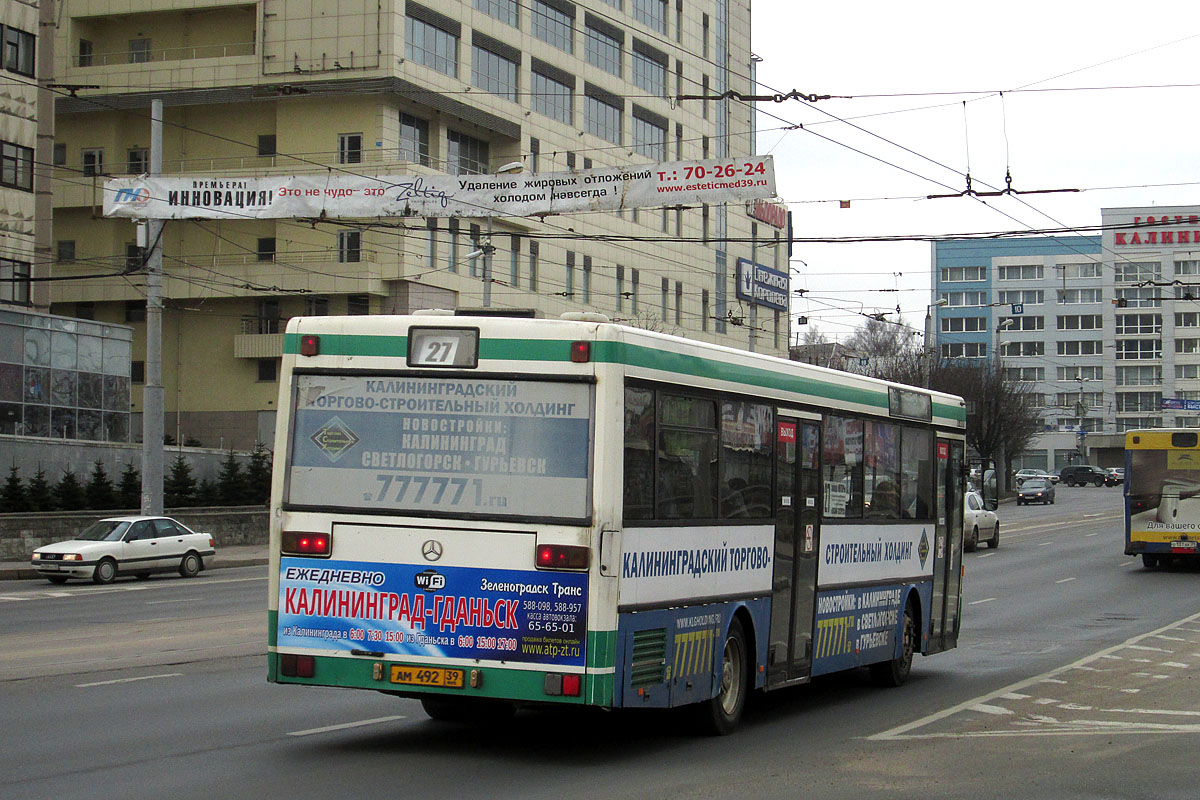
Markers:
880,338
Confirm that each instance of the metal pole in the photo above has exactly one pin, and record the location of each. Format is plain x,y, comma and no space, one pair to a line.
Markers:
153,393
487,266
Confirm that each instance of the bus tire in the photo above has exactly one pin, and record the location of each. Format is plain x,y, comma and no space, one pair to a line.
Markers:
895,672
467,709
1149,560
720,715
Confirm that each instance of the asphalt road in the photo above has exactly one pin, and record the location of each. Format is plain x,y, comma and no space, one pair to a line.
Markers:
1076,677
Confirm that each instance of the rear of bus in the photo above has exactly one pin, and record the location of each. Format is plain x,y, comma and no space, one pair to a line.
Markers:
432,530
1162,495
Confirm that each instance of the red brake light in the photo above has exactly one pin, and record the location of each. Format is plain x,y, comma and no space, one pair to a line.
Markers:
581,352
562,556
570,686
310,345
305,543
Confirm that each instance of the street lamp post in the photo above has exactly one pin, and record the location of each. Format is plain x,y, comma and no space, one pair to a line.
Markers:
929,339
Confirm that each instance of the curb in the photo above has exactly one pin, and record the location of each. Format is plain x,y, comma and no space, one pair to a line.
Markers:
29,573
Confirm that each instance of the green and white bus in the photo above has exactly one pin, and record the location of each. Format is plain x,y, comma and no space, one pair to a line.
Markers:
492,512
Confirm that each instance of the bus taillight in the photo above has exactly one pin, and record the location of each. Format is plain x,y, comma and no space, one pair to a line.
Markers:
310,345
562,556
294,666
581,352
306,543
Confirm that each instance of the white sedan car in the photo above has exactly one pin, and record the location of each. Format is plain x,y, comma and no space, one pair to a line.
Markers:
979,521
134,546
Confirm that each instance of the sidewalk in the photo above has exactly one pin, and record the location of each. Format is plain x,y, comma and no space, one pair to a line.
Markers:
248,555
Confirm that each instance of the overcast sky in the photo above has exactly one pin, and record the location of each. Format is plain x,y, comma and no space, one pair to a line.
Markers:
1088,138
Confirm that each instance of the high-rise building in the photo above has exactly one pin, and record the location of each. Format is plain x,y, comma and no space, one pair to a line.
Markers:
398,87
1105,328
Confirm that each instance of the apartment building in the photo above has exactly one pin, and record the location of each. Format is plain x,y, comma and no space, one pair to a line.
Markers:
397,87
1106,328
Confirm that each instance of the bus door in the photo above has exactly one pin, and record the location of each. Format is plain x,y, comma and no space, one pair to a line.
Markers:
947,548
797,535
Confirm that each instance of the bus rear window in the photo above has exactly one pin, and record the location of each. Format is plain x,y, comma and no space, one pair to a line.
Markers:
452,446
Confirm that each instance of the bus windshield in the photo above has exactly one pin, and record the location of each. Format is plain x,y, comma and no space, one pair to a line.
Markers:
446,445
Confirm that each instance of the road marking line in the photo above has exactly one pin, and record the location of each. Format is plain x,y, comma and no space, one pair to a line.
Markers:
1044,544
999,711
344,726
987,555
1065,580
1175,664
1087,535
129,680
180,600
902,731
1147,647
1126,563
977,602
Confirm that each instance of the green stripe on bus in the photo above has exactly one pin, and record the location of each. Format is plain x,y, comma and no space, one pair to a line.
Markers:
601,649
558,350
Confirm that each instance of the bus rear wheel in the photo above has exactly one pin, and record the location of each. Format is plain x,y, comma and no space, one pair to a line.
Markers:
896,671
720,715
467,709
1149,560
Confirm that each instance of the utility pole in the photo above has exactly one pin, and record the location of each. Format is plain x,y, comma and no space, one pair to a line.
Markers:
153,394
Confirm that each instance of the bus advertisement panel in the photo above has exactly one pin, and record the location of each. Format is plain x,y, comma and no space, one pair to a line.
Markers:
433,611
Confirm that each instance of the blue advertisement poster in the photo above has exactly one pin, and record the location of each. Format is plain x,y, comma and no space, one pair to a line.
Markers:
436,612
856,626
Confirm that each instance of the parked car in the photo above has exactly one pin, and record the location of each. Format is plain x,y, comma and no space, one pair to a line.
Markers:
1115,475
1082,474
135,546
1035,490
1025,474
979,520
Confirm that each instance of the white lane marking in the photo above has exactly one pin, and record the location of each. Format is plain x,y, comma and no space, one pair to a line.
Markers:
129,680
1014,696
977,602
1089,535
344,726
1046,701
987,555
903,731
1175,664
1065,580
1173,638
179,600
1126,563
1045,544
999,711
1147,647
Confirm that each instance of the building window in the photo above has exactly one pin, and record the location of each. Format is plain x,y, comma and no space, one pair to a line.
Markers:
266,144
266,316
634,280
137,371
15,283
18,51
651,13
602,119
959,274
266,248
649,136
93,161
135,310
1021,272
60,154
514,264
429,45
664,302
452,255
649,69
316,306
135,257
552,24
86,310
569,275
358,305
1126,324
139,51
1084,347
704,310
602,49
1137,271
66,250
552,98
85,53
137,161
16,166
968,299
494,72
349,148
620,288
349,246
1139,349
679,303
533,266
1077,296
1021,323
466,155
266,370
414,139
587,279
503,10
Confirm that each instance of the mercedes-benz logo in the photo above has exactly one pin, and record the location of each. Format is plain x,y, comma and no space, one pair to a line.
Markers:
431,549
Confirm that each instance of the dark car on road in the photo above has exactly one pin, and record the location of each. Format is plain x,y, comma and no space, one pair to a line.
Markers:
1083,474
1035,490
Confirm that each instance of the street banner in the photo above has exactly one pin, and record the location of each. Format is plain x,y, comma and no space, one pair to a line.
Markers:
341,195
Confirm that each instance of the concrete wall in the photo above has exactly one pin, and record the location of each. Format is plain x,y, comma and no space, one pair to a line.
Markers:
21,534
30,453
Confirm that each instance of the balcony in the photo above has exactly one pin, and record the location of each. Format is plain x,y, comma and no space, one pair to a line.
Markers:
130,56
